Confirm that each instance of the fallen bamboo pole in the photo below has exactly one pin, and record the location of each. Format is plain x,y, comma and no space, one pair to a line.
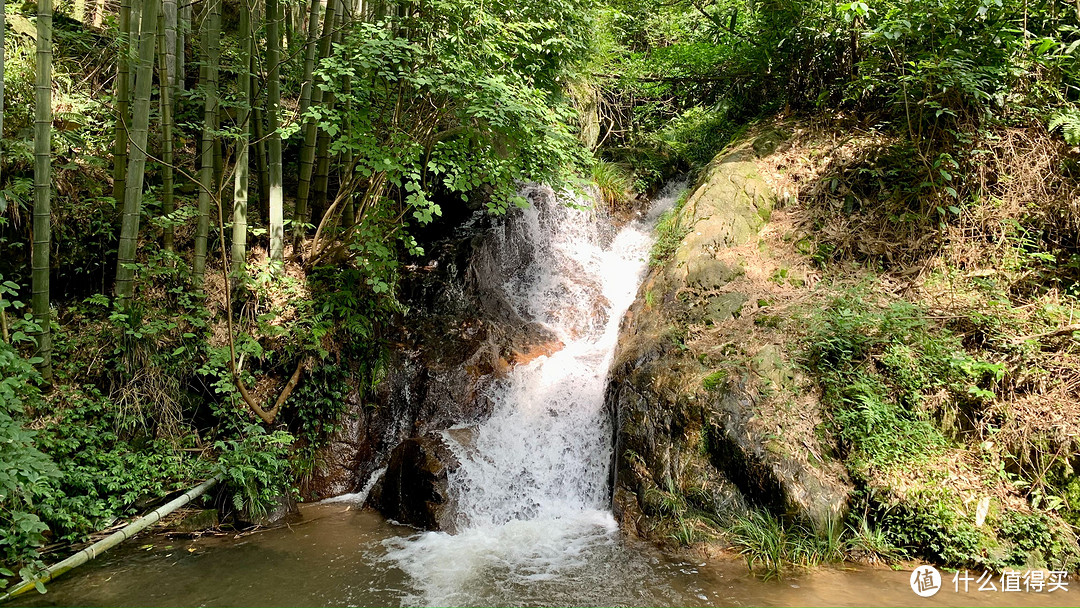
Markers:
113,539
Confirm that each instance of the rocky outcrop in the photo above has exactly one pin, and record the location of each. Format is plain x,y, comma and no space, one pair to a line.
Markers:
459,335
414,490
688,429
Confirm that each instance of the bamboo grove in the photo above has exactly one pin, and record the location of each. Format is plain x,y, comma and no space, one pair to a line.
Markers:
318,132
209,207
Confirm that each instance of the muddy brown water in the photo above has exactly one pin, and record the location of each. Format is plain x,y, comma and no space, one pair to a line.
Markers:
337,556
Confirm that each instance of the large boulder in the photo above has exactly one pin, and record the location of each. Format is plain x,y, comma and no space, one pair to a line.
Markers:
685,432
414,490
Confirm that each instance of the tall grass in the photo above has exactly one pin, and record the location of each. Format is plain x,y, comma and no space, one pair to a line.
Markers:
769,545
614,184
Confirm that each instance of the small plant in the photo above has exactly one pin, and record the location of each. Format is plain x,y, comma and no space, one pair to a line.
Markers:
27,475
255,467
695,136
769,545
869,543
669,233
1068,120
876,364
685,531
715,379
613,183
762,541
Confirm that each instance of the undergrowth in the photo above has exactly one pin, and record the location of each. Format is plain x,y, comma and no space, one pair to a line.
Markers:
879,366
669,232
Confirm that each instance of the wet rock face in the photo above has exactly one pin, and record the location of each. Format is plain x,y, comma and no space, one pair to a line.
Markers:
459,335
414,490
703,440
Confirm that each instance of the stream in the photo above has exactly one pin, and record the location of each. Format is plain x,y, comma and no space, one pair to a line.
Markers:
338,556
531,493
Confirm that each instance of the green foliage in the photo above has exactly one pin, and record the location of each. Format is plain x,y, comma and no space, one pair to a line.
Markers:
932,524
762,540
1068,120
1070,488
613,183
669,233
876,364
106,472
442,114
694,137
869,542
715,380
769,545
934,72
26,474
255,467
20,327
1035,538
320,403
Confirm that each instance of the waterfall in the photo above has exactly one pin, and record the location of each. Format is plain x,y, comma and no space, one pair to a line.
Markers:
531,491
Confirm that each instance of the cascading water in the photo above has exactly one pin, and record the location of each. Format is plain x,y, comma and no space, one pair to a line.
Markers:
531,491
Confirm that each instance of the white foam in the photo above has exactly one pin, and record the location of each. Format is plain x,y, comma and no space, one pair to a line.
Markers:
357,497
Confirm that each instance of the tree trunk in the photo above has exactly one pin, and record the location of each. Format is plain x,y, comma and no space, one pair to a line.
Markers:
120,87
39,251
348,214
273,91
240,190
206,149
165,80
219,163
309,57
322,170
311,132
288,31
136,171
322,148
133,45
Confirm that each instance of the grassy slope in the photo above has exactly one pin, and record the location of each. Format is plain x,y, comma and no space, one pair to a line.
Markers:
934,348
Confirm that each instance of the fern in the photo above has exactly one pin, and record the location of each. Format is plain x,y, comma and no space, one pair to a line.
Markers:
1068,120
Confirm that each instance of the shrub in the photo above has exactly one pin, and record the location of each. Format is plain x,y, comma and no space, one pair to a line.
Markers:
26,474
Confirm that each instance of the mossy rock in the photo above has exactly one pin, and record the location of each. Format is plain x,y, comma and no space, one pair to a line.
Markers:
727,208
197,521
767,143
723,307
707,272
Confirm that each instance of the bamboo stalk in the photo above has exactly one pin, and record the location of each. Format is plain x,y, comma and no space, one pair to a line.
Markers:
120,86
3,41
211,50
311,133
165,78
113,539
262,172
183,26
42,230
273,92
240,186
138,135
170,12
